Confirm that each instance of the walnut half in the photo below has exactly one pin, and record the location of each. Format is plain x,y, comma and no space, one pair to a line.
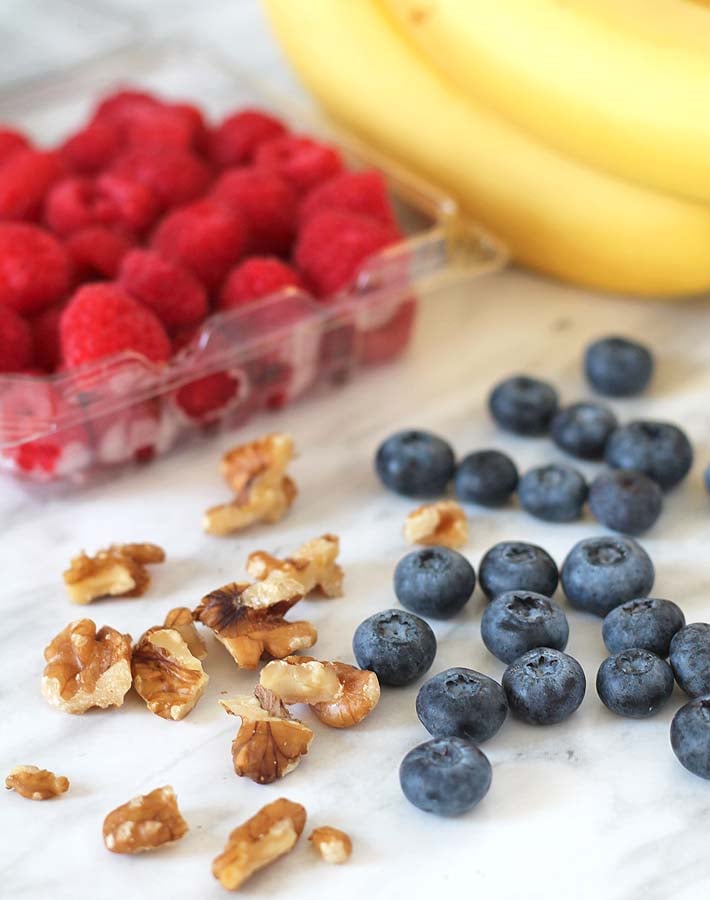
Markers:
313,565
360,694
144,823
119,571
333,844
36,784
442,523
181,620
166,675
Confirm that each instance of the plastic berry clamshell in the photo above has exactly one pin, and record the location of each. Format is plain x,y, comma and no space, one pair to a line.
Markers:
125,409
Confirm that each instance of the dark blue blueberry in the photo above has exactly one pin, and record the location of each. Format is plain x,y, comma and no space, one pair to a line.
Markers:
523,405
415,463
582,429
646,622
446,776
463,703
397,646
658,449
519,621
629,502
690,736
618,367
601,573
515,565
707,479
555,493
690,658
634,683
434,581
488,477
544,686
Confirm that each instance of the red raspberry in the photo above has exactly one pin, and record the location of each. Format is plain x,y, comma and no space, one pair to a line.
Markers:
332,246
174,294
102,320
175,176
302,161
198,126
266,201
96,252
256,277
25,179
91,149
45,332
387,341
76,203
207,399
15,341
205,237
123,105
11,142
35,269
364,193
233,141
144,121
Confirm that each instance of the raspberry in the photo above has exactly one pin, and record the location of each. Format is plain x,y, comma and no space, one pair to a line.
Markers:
256,277
174,294
266,201
364,193
205,237
332,246
25,179
235,140
15,341
34,268
45,333
387,341
11,142
207,399
146,121
102,319
90,149
302,161
76,203
175,176
96,252
123,105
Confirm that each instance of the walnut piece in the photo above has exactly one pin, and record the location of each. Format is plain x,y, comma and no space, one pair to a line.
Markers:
313,565
181,620
249,619
144,823
360,695
442,523
261,840
269,743
333,844
87,668
166,675
119,571
36,784
301,679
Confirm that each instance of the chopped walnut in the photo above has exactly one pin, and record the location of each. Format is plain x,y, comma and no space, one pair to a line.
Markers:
265,503
269,743
119,571
144,823
442,523
166,675
261,840
359,696
301,679
36,784
333,844
313,565
87,668
249,619
181,620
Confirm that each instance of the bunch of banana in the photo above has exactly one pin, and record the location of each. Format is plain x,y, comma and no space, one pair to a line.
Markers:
579,132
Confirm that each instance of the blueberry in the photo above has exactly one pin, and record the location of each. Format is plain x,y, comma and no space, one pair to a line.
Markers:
397,646
647,622
446,776
488,477
707,479
629,502
523,405
514,565
544,686
434,581
555,493
603,572
690,736
658,449
415,463
618,367
518,621
463,703
582,429
634,683
690,658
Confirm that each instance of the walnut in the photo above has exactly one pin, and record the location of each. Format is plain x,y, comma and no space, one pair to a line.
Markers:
249,619
269,743
119,571
261,840
301,679
181,620
166,675
442,523
144,823
360,695
313,565
333,844
265,503
86,667
36,784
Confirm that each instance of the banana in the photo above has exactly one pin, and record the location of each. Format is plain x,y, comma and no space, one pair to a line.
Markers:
557,216
622,85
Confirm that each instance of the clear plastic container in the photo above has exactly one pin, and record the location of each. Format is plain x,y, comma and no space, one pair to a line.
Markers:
125,409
